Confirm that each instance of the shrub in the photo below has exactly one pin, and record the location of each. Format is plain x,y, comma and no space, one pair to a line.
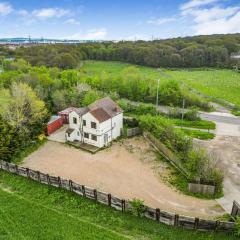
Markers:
138,207
237,229
192,114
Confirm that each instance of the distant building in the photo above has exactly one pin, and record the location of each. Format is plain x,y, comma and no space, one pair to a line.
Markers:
97,125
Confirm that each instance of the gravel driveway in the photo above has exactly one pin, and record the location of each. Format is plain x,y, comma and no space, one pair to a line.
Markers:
126,170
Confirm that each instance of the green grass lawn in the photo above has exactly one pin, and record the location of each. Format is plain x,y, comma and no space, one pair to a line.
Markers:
223,84
30,210
115,68
201,124
198,134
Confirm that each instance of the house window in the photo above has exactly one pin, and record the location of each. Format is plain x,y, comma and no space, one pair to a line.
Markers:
86,135
94,137
78,133
93,125
84,122
75,120
68,134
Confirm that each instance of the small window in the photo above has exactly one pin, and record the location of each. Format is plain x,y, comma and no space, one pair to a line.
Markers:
75,120
94,137
93,125
68,134
84,122
86,135
78,133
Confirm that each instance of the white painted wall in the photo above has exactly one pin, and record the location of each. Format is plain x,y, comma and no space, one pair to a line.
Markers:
105,131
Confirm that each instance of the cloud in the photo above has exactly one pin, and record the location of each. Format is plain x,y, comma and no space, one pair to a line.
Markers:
5,8
45,13
196,3
92,34
161,21
72,21
209,17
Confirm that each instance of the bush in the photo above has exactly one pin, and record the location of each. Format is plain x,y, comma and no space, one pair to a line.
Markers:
237,229
138,207
192,114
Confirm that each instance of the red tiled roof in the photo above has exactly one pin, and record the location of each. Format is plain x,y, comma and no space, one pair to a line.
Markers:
108,105
100,114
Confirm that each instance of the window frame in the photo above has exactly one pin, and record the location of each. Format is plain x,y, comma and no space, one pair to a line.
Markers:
93,124
74,120
94,137
84,122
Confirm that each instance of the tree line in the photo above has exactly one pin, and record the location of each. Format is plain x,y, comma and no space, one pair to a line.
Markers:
189,52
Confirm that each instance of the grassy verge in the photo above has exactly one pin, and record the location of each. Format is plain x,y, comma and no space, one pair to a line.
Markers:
30,210
201,124
198,134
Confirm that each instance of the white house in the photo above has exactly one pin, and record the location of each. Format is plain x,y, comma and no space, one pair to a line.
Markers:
98,124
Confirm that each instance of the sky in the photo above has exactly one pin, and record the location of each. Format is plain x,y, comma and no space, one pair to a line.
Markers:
117,20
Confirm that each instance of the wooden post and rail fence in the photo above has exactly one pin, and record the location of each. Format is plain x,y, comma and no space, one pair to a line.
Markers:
121,204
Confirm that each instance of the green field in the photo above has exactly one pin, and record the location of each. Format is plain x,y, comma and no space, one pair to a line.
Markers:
223,84
115,68
30,210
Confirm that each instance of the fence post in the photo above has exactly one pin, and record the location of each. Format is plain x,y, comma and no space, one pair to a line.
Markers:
123,203
95,194
109,200
7,166
176,220
70,185
59,182
196,223
83,190
48,179
38,176
157,214
27,170
216,225
16,169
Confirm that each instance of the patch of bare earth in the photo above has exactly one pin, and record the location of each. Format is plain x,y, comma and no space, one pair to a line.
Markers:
127,169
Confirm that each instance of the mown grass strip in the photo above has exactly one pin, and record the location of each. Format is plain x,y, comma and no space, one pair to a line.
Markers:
42,223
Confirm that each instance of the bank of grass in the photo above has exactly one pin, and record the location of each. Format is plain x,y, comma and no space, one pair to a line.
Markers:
202,135
201,124
30,210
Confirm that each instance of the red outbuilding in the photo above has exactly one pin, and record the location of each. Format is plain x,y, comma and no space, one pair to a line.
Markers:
54,124
64,114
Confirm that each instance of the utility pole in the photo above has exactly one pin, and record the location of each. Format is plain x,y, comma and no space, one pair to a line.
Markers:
157,92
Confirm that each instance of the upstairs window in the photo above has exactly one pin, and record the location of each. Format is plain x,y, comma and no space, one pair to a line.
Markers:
84,123
93,125
75,120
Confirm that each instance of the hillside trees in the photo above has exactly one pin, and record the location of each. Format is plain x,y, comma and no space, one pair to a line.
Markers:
198,51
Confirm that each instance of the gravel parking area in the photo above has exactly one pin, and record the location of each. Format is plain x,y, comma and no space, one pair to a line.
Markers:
227,151
127,170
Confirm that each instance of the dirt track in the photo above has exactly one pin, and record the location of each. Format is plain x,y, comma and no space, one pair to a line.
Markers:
126,170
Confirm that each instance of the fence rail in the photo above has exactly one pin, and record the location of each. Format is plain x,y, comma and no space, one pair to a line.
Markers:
119,204
165,152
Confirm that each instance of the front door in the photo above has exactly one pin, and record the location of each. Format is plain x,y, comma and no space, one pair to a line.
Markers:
105,139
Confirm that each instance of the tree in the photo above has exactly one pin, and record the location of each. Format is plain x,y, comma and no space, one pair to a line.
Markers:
26,112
